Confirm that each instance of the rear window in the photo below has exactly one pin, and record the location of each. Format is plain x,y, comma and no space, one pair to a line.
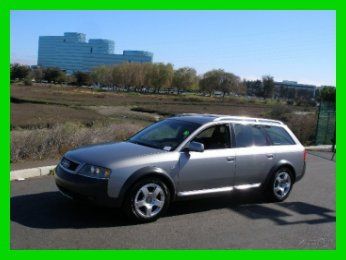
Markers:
249,135
278,135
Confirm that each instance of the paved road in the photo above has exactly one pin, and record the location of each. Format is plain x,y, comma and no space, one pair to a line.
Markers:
42,218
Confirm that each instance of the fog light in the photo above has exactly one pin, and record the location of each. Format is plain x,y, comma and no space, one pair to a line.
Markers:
107,173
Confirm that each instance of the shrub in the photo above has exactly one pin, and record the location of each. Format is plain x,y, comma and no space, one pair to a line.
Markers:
303,126
27,82
280,112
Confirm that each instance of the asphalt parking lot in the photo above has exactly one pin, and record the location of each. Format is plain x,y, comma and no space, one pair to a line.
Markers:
42,218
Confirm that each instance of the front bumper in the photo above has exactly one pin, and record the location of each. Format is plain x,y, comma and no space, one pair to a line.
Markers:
81,187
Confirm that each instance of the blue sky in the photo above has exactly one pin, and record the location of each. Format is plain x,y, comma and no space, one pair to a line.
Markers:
289,45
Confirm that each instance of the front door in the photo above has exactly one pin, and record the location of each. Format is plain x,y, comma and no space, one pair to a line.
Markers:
211,170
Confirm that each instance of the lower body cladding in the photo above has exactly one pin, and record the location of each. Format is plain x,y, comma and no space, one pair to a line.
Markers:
79,187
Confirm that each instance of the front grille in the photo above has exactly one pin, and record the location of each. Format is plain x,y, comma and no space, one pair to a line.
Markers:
68,164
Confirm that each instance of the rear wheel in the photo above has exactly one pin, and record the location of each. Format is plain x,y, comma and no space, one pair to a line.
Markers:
147,200
280,185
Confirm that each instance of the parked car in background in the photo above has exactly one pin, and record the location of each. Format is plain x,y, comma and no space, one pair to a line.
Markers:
184,156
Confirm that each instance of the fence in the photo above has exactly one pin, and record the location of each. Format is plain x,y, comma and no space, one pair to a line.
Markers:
326,123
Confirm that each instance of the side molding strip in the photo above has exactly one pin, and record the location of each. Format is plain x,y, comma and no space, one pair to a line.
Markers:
206,191
247,186
217,190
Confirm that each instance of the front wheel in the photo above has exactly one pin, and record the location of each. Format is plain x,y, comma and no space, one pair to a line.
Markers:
280,185
147,200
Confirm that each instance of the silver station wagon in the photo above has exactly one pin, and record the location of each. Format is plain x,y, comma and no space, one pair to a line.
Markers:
184,156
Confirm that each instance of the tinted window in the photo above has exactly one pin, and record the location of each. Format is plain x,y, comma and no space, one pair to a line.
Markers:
215,137
249,135
166,134
278,135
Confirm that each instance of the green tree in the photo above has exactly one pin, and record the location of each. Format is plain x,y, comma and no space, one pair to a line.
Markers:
54,75
268,86
103,76
184,78
19,71
229,83
210,81
82,78
326,93
160,76
254,87
37,74
219,80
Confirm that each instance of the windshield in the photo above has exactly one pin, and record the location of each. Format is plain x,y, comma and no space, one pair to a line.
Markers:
166,134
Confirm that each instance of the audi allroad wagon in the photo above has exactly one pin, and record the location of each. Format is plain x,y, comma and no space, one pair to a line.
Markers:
181,157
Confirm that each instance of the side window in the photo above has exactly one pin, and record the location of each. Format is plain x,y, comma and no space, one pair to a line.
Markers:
249,135
278,135
215,137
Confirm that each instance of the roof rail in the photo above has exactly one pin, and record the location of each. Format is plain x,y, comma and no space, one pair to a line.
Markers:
195,114
234,118
248,119
270,121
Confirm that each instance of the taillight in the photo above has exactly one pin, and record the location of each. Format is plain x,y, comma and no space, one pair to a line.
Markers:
305,154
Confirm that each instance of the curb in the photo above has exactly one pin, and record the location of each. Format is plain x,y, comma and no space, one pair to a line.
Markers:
327,148
29,173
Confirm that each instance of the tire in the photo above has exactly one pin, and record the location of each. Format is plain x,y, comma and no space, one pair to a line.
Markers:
280,185
147,200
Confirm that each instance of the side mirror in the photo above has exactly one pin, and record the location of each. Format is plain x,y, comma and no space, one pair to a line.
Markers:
195,147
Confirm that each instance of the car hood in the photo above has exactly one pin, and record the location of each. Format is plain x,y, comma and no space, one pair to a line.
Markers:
109,153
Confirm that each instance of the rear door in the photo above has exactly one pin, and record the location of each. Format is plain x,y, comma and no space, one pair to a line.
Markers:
284,147
254,155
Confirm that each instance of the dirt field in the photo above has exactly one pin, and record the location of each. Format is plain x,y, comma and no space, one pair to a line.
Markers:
41,106
30,116
56,113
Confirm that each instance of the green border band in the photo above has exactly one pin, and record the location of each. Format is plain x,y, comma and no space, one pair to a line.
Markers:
8,5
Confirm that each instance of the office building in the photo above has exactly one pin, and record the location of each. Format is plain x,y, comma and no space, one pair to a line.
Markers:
293,90
72,52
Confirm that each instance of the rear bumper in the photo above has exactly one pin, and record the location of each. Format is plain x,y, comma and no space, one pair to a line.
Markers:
299,177
84,188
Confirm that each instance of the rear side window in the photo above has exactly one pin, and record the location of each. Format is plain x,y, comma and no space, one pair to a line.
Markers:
249,135
278,135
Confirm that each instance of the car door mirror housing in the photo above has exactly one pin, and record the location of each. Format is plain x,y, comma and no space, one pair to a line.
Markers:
194,147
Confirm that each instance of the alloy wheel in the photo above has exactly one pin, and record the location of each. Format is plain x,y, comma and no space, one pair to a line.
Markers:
282,184
149,200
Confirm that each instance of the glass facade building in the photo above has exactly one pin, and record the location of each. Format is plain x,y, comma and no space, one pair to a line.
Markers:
71,52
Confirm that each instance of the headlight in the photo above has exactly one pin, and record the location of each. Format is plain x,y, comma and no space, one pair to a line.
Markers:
95,171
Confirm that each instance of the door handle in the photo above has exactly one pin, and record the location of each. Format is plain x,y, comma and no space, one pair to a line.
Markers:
270,156
230,158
